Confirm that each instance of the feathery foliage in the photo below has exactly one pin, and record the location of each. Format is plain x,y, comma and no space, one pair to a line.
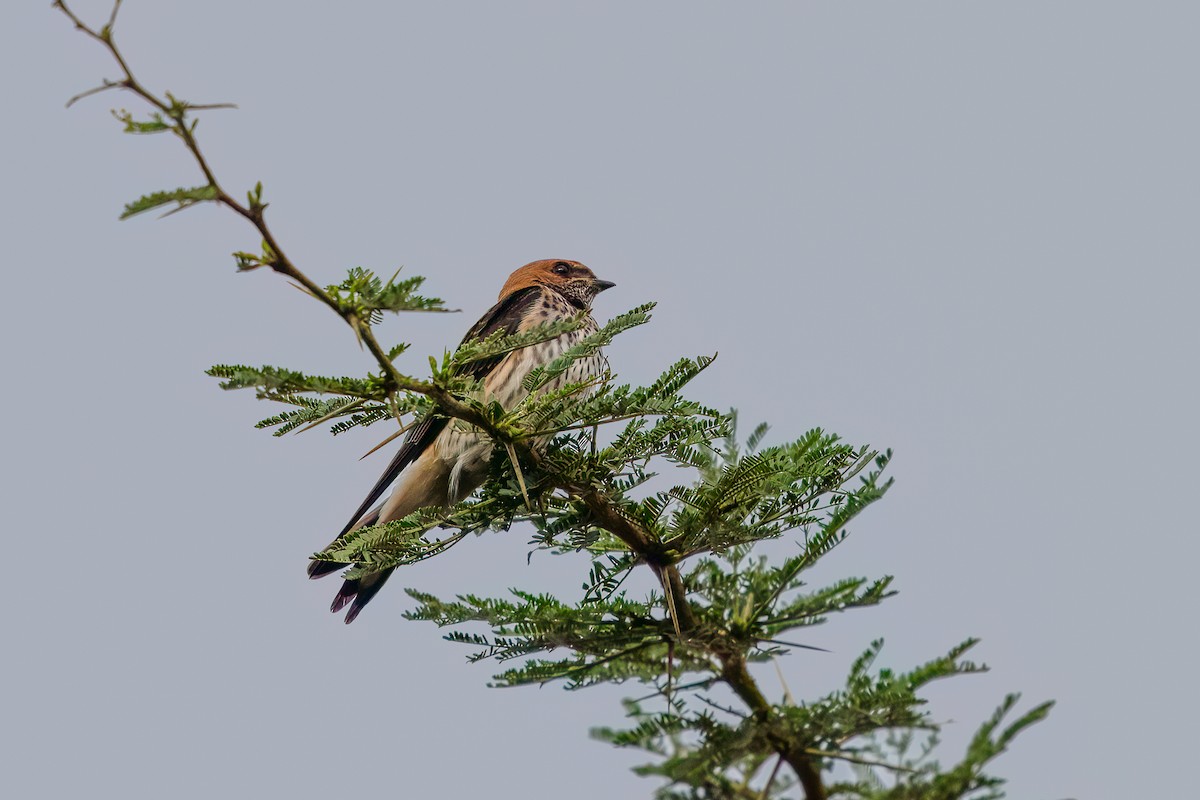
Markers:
365,296
585,467
182,198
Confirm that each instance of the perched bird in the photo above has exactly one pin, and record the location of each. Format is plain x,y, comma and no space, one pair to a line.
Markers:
440,463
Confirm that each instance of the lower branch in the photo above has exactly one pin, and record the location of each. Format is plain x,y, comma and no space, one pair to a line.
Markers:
735,674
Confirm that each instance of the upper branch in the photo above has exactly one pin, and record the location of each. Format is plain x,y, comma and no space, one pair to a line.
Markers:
177,111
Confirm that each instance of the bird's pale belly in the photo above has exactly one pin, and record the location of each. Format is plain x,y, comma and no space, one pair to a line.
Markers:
466,449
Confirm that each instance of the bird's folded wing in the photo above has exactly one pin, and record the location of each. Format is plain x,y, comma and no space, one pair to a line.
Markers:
415,443
506,316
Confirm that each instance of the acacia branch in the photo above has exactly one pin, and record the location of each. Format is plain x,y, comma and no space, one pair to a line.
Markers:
177,111
738,678
606,513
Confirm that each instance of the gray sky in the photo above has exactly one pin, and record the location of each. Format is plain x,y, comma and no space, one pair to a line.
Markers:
966,231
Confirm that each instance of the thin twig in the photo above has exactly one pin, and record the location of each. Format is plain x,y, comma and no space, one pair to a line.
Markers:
796,645
787,693
707,683
733,712
766,792
866,762
670,673
112,18
403,430
104,87
335,412
512,457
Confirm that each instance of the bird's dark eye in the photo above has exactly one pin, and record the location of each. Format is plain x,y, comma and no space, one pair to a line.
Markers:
562,268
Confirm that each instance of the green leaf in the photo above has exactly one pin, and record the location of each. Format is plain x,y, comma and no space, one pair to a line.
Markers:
156,123
588,346
182,197
500,343
366,296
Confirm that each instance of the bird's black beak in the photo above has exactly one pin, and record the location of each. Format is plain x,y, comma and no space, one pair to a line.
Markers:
600,286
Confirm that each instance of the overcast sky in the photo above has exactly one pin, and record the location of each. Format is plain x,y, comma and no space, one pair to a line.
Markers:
966,231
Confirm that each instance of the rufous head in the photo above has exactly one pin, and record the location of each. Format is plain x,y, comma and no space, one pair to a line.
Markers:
578,284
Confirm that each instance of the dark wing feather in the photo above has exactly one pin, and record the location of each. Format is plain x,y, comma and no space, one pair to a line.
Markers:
505,315
420,437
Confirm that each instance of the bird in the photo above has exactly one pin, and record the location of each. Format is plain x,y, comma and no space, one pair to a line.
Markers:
440,463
